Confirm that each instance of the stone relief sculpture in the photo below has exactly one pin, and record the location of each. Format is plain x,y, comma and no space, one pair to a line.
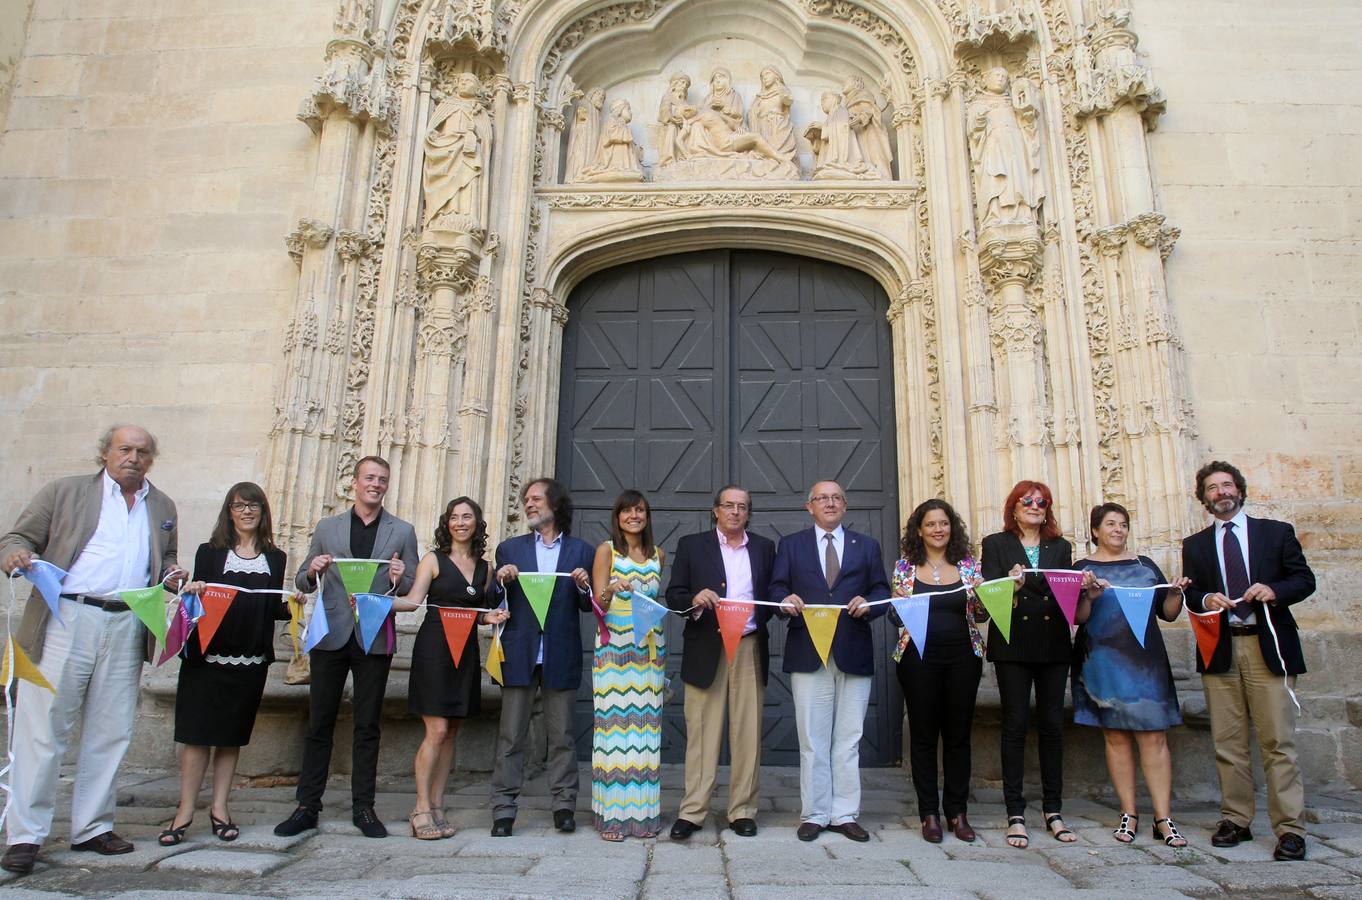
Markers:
673,115
618,158
771,113
837,151
1006,153
458,147
717,143
581,150
866,122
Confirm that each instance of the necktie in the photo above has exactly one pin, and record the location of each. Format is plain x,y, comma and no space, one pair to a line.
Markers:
831,567
1236,576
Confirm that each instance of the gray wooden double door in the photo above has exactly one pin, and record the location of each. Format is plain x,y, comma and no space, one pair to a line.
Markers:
684,373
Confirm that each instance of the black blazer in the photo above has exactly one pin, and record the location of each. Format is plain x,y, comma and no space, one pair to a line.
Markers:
1276,560
697,565
1040,633
797,571
562,669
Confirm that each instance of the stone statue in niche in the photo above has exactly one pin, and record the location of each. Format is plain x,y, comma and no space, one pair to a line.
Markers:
868,125
458,148
717,143
1005,148
673,115
582,141
618,158
771,113
837,151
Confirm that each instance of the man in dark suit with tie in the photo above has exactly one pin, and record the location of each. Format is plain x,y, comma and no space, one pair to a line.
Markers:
1250,571
548,661
830,565
725,563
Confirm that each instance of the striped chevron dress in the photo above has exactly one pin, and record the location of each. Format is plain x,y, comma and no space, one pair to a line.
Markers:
627,687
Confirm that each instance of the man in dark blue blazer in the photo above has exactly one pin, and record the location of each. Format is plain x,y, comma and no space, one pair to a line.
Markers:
1250,571
830,565
547,661
727,562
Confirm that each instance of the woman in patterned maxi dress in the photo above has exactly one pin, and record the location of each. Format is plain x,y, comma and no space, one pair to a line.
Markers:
627,680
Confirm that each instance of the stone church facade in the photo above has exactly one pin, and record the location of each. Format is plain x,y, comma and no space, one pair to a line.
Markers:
927,247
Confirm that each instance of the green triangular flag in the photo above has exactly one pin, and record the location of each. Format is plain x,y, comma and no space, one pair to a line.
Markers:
538,590
997,599
358,575
150,605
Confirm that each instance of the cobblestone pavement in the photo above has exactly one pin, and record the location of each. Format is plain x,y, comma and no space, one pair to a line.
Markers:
337,862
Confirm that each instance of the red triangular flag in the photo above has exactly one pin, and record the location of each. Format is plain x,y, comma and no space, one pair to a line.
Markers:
733,616
216,600
1206,627
1065,586
457,624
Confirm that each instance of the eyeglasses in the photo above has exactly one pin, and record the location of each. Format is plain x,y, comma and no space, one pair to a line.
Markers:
734,507
828,498
1037,502
240,506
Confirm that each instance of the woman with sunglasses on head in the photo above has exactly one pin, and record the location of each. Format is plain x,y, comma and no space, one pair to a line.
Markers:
220,687
1037,654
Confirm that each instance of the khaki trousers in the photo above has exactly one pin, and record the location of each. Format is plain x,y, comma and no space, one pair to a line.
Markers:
1250,693
737,686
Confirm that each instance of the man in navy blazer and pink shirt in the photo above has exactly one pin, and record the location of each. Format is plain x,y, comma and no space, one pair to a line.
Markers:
830,565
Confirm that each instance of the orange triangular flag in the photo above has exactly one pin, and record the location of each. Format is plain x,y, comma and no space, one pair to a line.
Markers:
23,667
457,624
1206,627
495,657
216,601
733,616
822,625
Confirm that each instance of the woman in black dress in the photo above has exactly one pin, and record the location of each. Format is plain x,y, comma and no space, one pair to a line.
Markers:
219,691
441,693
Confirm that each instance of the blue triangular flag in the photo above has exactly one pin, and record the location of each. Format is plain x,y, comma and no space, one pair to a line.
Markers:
647,613
1135,603
372,610
47,579
317,627
913,612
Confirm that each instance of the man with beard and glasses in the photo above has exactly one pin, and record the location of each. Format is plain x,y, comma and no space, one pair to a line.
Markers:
1250,571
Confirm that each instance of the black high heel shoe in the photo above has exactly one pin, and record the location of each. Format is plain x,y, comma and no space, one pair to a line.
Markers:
224,831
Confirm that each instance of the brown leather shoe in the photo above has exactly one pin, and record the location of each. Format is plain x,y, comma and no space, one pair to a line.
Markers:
961,827
808,831
931,829
19,858
106,844
851,830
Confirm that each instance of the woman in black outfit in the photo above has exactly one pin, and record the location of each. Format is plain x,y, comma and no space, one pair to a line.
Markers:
219,691
454,574
1038,653
940,680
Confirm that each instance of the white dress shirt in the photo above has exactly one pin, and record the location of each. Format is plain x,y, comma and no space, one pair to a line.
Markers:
1240,521
118,555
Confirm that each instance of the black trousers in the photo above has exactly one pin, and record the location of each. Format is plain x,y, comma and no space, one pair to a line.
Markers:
1015,680
329,669
939,693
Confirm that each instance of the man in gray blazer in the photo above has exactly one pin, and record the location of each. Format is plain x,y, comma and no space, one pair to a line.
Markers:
366,531
110,531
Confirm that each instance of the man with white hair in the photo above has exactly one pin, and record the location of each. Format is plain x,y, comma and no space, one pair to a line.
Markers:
110,531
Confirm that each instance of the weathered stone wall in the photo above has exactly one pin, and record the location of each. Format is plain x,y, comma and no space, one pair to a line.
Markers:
1259,159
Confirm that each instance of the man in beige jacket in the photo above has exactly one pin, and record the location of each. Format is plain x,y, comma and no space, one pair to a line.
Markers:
110,531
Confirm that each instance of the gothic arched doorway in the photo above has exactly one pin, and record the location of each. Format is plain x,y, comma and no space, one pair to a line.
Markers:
683,373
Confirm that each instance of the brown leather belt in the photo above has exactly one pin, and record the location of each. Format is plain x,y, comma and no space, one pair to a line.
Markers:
99,602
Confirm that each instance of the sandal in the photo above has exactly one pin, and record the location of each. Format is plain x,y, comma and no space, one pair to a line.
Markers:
1126,832
1063,834
446,830
1171,837
1021,839
172,835
424,827
613,837
224,831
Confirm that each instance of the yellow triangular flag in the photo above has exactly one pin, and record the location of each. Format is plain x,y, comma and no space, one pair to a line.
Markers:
495,657
822,625
23,667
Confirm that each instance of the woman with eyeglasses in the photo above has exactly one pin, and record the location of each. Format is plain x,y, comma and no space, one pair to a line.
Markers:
1036,655
221,685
